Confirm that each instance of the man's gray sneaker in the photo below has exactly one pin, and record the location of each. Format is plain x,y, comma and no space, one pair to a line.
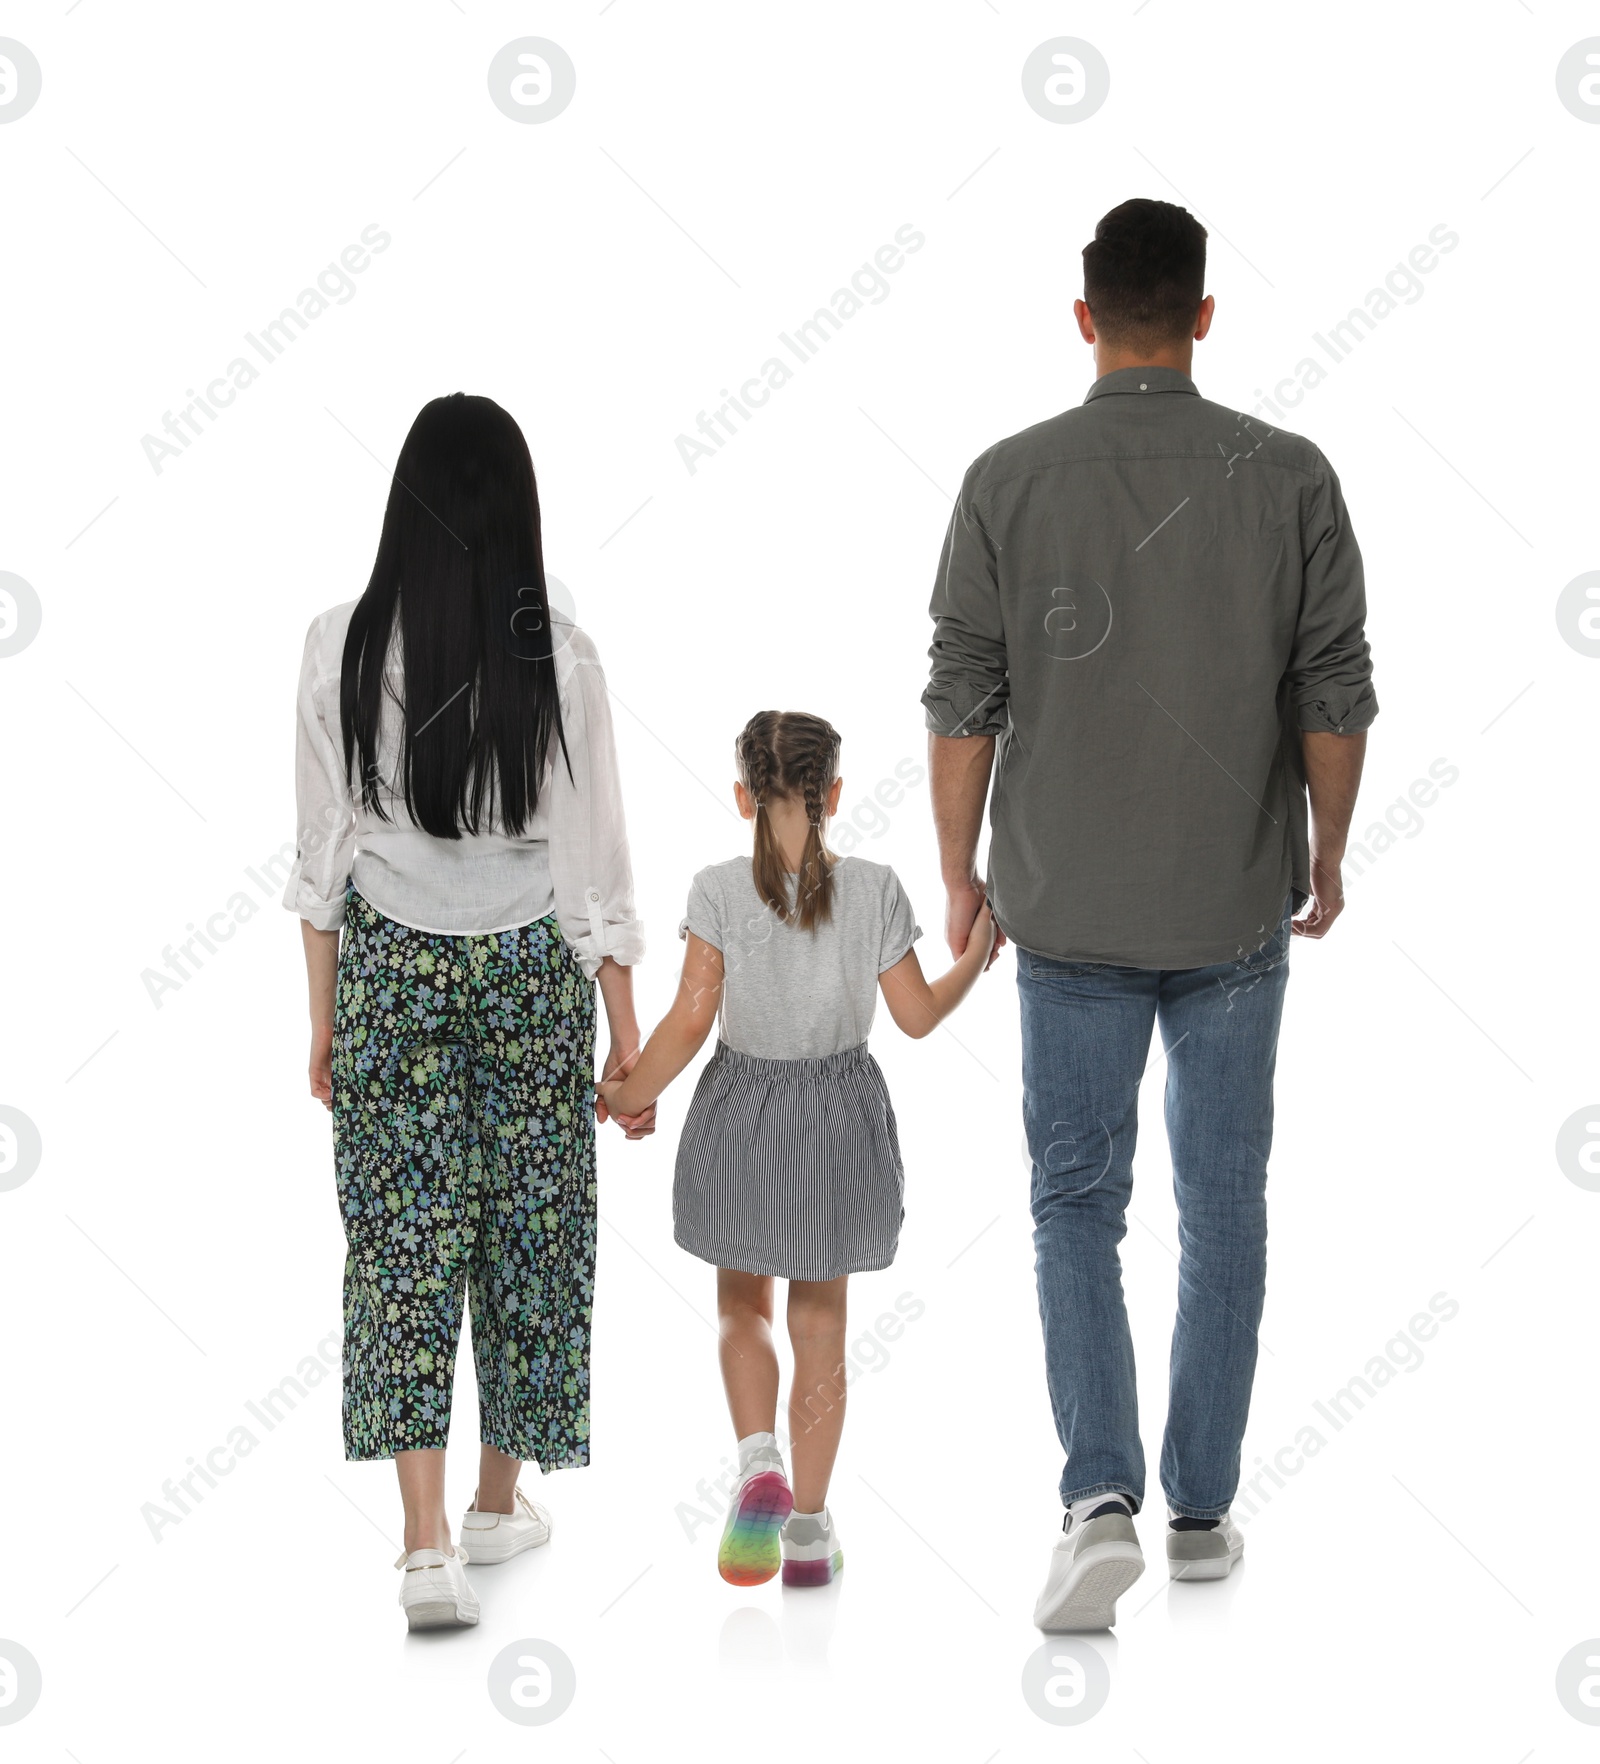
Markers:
1094,1563
1199,1550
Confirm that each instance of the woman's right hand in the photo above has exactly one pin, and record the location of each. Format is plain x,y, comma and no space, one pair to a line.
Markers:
617,1067
634,1126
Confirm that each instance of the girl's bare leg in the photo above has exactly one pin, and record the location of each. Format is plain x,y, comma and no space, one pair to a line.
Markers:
749,1360
816,1401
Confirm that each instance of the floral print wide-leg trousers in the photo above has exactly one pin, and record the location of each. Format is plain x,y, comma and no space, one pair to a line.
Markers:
463,1126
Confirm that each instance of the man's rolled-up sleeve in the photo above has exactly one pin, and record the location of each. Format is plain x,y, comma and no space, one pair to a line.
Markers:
1330,664
968,685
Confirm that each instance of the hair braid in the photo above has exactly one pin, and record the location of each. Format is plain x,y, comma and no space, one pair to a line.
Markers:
758,765
783,755
813,784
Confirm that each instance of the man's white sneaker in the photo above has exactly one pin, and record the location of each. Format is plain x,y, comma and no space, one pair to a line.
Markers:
1200,1549
1096,1559
433,1589
496,1537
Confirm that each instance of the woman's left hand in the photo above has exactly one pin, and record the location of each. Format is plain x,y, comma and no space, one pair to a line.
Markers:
322,1064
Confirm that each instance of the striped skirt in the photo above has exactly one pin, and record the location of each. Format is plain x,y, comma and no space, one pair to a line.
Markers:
790,1167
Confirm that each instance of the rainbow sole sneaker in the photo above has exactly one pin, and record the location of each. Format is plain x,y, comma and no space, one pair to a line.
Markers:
749,1552
811,1552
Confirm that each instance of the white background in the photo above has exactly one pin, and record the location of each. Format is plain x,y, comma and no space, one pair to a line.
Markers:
721,171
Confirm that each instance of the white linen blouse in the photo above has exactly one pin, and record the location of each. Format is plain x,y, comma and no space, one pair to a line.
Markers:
571,858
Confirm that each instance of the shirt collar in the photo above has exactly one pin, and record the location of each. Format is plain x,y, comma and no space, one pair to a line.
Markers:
1141,379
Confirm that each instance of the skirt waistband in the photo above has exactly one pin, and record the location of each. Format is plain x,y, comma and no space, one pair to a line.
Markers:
819,1066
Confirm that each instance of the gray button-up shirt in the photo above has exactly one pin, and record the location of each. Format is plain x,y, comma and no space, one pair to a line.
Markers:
1146,598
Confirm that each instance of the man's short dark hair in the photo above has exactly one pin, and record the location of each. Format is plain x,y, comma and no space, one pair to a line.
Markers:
1144,273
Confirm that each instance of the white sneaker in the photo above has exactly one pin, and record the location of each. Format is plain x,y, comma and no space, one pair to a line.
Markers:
1202,1555
496,1537
1094,1563
811,1552
433,1589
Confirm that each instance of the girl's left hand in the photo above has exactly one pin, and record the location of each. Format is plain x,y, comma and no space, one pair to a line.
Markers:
634,1126
617,1066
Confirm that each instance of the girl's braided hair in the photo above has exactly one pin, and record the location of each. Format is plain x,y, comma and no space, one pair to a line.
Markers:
783,755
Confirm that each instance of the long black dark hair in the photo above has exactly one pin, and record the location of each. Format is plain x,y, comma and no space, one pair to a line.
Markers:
461,561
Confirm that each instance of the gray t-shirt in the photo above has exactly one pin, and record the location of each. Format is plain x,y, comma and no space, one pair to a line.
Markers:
790,994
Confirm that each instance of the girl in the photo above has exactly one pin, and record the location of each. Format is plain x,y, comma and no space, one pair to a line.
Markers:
463,884
789,1165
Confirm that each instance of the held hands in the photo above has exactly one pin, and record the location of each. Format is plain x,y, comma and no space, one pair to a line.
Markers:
967,916
633,1126
985,935
617,1067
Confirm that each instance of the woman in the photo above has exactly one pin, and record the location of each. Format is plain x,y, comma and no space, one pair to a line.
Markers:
461,826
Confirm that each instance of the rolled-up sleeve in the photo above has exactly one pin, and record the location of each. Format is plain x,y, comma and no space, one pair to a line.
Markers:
1330,665
704,915
325,818
968,685
590,869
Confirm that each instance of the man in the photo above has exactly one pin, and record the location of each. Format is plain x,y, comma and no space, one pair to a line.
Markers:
1155,607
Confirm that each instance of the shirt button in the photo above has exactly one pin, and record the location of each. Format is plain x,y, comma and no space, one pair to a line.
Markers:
1143,386
594,894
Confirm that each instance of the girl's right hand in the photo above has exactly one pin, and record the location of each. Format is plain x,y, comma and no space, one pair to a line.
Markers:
985,935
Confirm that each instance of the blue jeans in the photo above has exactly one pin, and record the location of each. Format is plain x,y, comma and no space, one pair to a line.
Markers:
1085,1043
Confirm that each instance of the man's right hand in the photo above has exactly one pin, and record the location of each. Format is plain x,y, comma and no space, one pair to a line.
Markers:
963,902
